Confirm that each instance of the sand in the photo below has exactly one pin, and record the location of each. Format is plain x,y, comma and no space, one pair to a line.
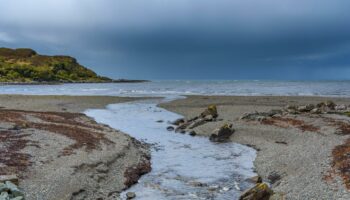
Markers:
302,158
66,155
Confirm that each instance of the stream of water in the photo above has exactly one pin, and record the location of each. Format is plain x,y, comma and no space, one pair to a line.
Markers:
183,167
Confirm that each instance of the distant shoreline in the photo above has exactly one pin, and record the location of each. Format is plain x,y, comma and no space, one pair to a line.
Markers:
78,82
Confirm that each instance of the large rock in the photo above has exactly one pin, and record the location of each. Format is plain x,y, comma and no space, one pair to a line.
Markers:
222,134
13,178
260,191
211,110
340,107
306,108
327,104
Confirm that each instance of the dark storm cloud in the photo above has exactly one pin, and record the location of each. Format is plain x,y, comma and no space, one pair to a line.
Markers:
187,39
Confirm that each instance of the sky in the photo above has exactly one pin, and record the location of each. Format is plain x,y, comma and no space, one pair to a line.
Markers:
188,39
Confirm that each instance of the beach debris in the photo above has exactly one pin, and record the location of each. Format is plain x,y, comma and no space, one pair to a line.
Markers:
170,128
10,191
222,134
130,195
260,191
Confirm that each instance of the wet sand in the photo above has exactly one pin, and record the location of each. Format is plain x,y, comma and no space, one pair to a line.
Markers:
59,153
302,158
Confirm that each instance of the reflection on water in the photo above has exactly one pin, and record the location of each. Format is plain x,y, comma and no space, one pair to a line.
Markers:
183,167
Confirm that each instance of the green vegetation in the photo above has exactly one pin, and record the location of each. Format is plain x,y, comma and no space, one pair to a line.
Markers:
26,66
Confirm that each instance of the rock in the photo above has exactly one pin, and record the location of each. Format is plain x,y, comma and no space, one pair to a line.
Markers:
316,111
197,123
170,128
306,108
13,178
256,116
130,195
255,179
15,192
159,121
260,191
340,107
222,134
277,196
329,104
182,131
4,196
274,177
274,112
178,122
193,133
211,110
290,107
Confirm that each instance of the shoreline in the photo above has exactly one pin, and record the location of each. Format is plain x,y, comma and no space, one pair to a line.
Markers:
301,161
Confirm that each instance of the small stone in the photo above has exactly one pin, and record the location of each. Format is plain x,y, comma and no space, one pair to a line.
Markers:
170,128
193,133
159,121
130,195
182,131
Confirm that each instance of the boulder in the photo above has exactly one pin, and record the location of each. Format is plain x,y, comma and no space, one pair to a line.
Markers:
260,191
222,134
211,110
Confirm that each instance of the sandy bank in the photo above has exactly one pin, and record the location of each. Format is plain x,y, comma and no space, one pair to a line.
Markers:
66,155
303,158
